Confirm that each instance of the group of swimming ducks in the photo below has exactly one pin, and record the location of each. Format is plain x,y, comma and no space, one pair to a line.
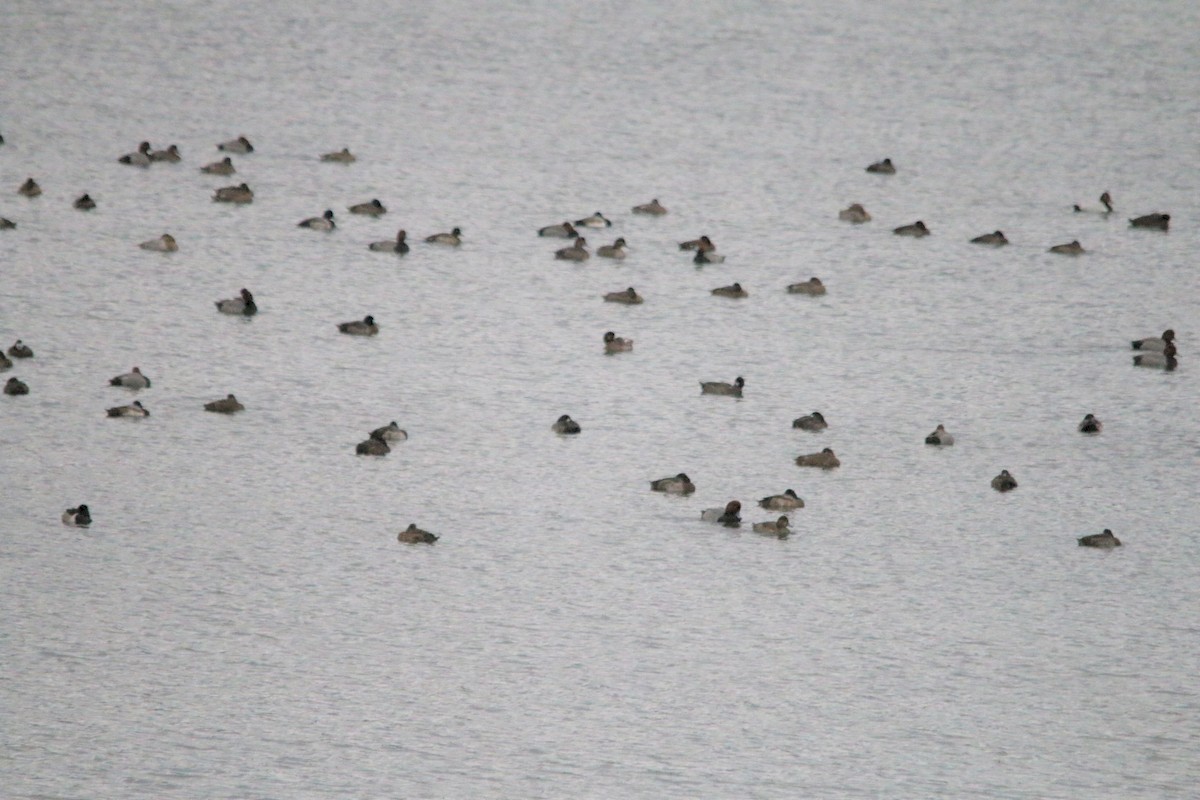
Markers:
1154,352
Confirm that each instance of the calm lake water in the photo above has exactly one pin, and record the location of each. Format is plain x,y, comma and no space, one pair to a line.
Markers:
240,622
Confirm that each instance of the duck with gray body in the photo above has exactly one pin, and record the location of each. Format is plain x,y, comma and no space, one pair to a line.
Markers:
940,437
84,203
734,290
729,516
240,194
343,156
1155,343
238,306
1071,248
1104,211
615,344
884,167
133,410
78,517
322,223
596,220
453,238
576,252
134,379
1166,360
615,250
399,245
138,158
706,253
240,145
995,239
391,432
20,350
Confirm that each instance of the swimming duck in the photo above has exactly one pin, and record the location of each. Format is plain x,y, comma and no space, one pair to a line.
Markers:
1073,248
1004,482
692,244
322,223
229,405
454,237
372,446
812,422
222,167
134,379
390,433
1105,200
364,327
565,425
680,484
29,188
138,158
5,362
414,535
706,253
1090,424
20,350
6,224
565,230
170,155
884,167
854,213
1164,360
614,250
576,252
729,516
596,220
778,528
824,459
733,290
628,297
782,502
1105,540
234,194
84,203
654,208
343,156
917,229
135,409
163,244
812,286
1155,221
16,386
240,145
615,344
243,305
940,437
78,517
1155,344
717,387
371,209
397,245
995,239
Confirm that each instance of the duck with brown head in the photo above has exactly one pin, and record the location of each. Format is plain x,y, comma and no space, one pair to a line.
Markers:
729,516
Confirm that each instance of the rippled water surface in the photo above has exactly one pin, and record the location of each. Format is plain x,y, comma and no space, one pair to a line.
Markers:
240,621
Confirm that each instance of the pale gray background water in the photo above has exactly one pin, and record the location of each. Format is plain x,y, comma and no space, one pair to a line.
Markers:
239,622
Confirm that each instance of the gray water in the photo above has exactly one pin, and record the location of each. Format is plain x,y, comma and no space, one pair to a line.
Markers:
240,622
